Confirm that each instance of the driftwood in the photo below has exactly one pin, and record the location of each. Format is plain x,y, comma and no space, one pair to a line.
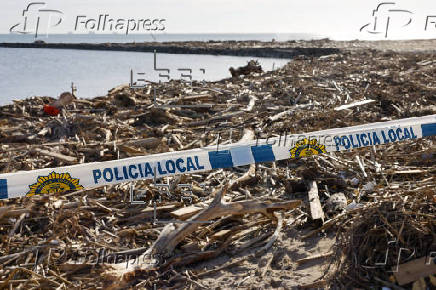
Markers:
300,97
59,156
170,237
315,205
185,212
276,233
165,244
354,104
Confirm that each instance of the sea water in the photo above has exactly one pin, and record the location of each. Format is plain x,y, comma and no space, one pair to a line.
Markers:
27,72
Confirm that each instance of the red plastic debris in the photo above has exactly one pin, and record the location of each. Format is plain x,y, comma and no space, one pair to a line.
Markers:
51,110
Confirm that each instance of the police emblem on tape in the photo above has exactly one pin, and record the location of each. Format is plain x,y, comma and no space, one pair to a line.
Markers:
53,183
306,147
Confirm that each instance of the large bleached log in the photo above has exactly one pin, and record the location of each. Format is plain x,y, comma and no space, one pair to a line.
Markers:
166,243
171,236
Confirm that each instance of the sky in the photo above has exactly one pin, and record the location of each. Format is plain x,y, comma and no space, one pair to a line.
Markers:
336,19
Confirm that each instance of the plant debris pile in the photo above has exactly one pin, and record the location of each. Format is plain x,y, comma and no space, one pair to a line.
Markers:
385,234
251,225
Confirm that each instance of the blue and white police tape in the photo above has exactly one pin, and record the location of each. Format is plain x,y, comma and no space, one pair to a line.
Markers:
83,176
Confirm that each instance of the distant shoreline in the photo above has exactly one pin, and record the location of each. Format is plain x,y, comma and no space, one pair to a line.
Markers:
251,48
229,48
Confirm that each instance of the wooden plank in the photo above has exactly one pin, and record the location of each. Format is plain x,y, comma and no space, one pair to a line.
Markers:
59,156
415,269
147,143
148,212
197,97
412,171
185,212
220,235
131,151
315,205
354,104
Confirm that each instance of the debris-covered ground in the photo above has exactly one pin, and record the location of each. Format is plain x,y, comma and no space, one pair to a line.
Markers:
375,200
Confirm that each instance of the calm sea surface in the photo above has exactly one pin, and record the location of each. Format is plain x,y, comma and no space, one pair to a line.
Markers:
27,72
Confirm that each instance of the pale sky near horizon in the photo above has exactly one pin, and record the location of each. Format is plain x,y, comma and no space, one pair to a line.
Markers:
337,19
